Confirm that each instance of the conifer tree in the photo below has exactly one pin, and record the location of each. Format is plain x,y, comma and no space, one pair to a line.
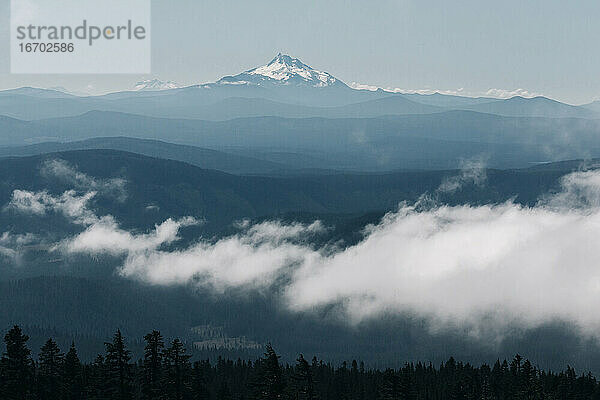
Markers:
118,367
268,382
199,383
98,385
50,371
72,375
486,391
389,389
177,364
303,386
223,393
153,366
17,366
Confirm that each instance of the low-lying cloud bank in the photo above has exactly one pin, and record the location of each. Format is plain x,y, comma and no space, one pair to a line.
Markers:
464,266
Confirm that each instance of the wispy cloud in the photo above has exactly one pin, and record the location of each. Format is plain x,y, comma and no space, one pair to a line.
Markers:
508,93
453,92
62,170
580,190
472,171
104,236
493,92
11,245
72,205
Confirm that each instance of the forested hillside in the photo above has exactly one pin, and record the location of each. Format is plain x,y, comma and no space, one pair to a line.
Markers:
82,298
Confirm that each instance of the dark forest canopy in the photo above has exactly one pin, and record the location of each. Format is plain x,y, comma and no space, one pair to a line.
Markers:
166,371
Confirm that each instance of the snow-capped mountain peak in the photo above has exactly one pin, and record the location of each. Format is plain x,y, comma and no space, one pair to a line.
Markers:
154,84
286,70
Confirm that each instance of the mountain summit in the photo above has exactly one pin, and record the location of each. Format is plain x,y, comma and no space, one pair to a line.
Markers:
284,70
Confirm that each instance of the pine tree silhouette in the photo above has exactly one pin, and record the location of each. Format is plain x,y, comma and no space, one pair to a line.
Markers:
223,393
72,375
268,381
118,367
302,381
153,366
51,362
177,364
17,366
199,383
98,385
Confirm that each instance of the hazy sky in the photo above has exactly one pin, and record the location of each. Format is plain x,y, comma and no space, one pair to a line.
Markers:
547,47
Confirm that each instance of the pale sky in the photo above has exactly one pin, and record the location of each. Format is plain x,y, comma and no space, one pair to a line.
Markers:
544,47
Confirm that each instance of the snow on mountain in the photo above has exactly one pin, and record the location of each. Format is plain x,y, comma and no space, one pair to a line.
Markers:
154,84
283,70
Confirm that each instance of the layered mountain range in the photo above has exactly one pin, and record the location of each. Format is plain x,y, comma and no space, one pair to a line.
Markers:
209,183
284,87
288,113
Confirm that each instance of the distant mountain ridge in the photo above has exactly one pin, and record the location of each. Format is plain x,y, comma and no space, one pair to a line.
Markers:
36,92
200,157
415,141
284,87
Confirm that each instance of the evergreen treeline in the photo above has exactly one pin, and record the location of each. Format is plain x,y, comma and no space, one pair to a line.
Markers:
167,372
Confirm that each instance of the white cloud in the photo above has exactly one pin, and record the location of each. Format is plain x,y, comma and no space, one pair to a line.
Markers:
70,204
508,93
579,190
11,245
472,171
105,236
64,171
459,265
363,86
230,262
493,92
276,232
73,204
452,92
253,258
